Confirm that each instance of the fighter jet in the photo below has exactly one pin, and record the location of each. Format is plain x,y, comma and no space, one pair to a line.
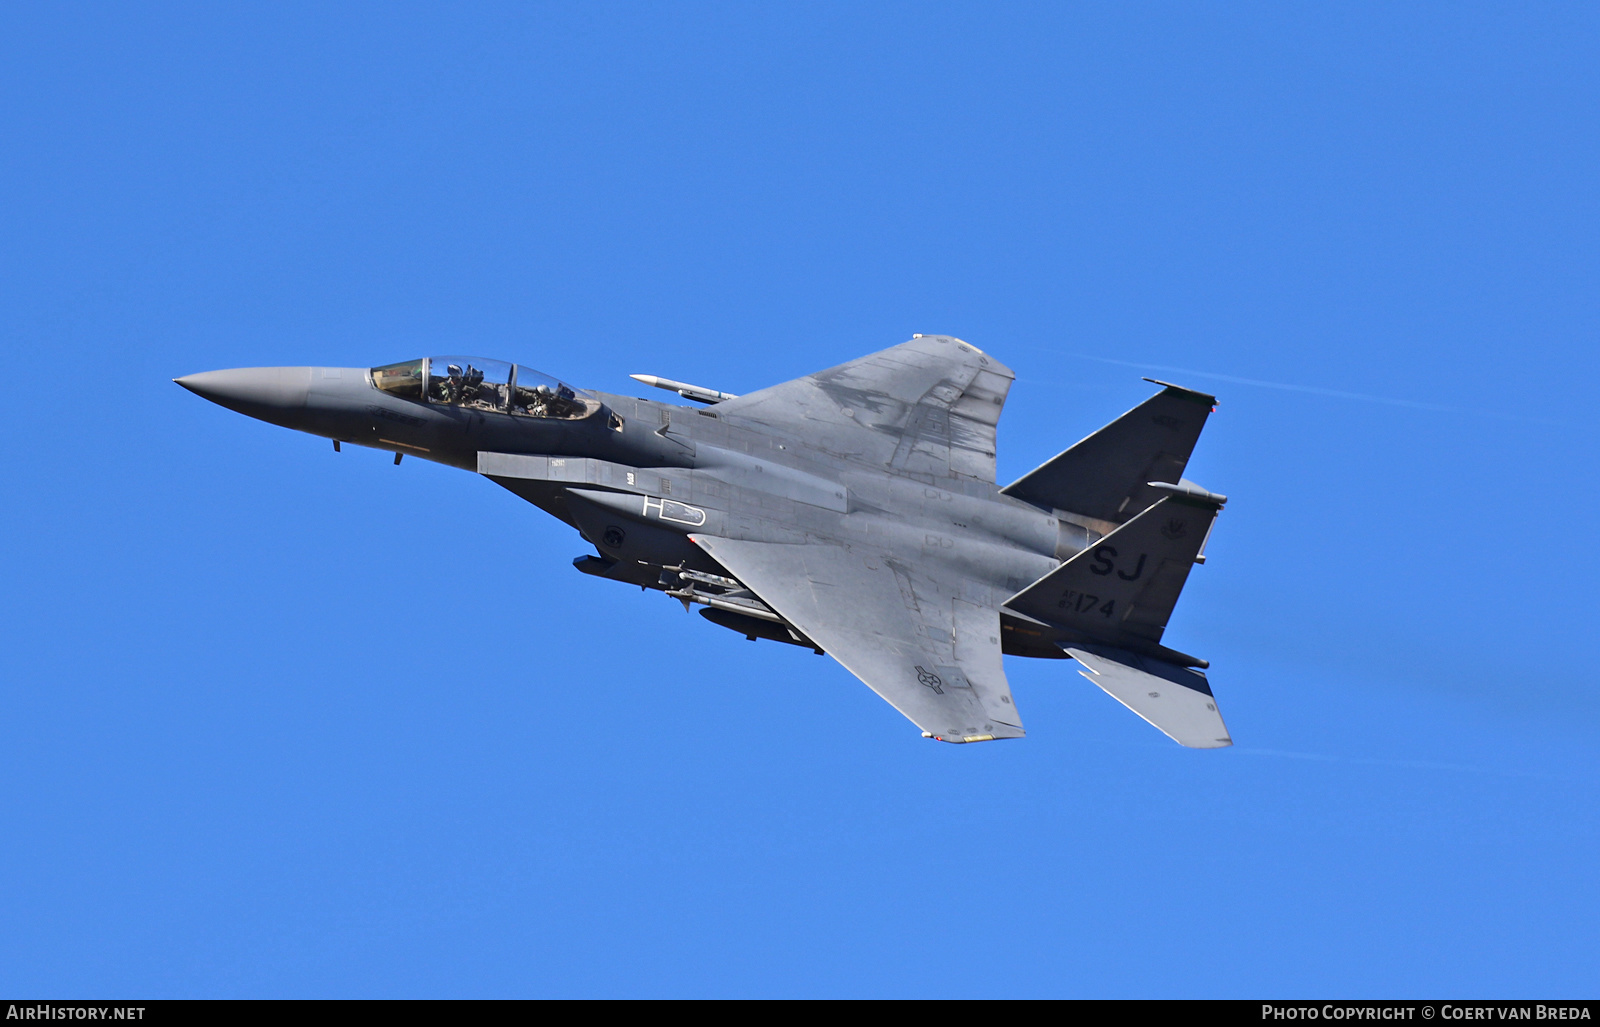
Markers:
853,511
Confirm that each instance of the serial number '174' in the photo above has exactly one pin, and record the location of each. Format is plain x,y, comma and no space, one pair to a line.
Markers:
1083,602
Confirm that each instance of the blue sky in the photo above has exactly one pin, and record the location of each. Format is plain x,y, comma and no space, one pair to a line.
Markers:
285,723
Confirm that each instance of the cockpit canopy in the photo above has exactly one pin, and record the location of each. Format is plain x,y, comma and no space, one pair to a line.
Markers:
480,384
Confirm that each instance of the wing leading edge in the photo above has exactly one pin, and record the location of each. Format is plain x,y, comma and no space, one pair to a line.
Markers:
926,407
929,653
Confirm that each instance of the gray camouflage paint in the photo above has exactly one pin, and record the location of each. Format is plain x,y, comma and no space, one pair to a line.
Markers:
854,511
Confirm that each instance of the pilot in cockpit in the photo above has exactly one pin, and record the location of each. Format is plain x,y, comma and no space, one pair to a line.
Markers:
465,387
547,402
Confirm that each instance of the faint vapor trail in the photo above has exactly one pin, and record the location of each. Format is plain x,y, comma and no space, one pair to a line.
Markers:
1315,391
1408,764
1284,386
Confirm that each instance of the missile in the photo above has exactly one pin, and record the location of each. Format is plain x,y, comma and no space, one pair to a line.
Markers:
684,389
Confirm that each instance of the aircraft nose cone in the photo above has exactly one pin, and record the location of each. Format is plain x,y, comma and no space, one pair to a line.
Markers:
258,391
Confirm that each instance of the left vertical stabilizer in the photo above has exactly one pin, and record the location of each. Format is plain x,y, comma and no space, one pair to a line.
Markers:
1123,587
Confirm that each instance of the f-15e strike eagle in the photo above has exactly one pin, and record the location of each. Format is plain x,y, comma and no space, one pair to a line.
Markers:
853,511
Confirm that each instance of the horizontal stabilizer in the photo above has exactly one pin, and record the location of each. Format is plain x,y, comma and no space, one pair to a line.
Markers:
1176,700
1106,475
1123,588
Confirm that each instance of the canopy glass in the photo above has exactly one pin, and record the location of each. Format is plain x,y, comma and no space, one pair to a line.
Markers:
480,384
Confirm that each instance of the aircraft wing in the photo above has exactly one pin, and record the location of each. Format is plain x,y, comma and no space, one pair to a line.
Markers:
931,654
928,406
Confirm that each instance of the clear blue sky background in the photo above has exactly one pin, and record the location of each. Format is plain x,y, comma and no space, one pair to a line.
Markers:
280,722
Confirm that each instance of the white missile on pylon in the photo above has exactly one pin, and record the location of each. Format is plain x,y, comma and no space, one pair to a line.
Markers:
684,389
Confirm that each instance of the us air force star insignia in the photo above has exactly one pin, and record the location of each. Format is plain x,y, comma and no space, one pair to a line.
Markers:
932,680
1174,529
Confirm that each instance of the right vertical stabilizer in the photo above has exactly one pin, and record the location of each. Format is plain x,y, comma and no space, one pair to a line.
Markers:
1105,475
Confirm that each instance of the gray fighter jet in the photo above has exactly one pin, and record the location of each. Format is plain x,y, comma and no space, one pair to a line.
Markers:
853,511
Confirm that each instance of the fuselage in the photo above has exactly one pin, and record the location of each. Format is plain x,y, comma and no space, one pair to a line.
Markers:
747,475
